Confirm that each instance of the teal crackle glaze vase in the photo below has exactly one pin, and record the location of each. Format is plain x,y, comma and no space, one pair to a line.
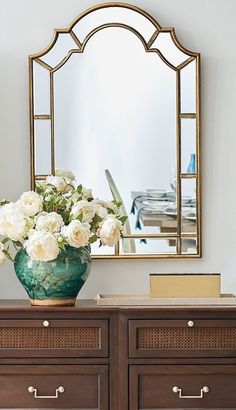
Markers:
57,282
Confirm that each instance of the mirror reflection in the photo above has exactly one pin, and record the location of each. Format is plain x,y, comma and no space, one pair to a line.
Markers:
115,123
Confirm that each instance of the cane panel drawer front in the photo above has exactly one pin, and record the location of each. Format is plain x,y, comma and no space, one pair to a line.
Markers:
182,386
182,338
53,387
54,338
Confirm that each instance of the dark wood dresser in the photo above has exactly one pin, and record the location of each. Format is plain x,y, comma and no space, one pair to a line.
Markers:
117,358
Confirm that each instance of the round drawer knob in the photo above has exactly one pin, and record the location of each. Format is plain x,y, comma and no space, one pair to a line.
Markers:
190,323
46,323
205,389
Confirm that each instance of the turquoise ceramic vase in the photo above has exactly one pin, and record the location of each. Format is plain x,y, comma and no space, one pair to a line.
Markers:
57,282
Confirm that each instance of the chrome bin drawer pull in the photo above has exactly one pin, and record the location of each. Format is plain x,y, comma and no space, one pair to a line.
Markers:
34,391
203,390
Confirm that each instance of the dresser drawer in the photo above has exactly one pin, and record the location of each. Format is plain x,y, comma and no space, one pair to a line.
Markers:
182,338
54,338
77,387
182,387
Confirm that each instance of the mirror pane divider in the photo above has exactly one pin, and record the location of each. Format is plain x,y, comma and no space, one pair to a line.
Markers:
153,236
186,175
59,65
178,162
52,123
40,177
198,154
188,115
33,175
185,63
117,248
153,38
42,117
189,234
76,40
183,255
42,63
148,40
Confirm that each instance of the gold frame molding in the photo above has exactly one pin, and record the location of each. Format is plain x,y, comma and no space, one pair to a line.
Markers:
179,115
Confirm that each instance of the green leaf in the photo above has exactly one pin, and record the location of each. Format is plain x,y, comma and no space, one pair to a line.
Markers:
79,188
96,219
53,188
62,246
5,240
117,203
123,219
110,211
93,239
7,253
70,219
63,201
80,217
39,189
4,202
17,244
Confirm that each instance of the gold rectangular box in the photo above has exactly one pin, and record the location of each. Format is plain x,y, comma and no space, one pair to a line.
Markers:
185,285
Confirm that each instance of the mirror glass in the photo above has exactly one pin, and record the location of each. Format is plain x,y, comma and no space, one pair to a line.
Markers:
43,147
118,102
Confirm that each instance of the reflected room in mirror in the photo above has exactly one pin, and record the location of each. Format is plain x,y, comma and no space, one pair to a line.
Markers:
115,99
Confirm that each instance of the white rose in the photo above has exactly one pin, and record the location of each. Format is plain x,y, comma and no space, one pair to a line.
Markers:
84,208
64,173
2,254
58,182
87,193
100,210
100,201
71,199
110,231
50,222
31,203
77,233
31,232
13,222
42,246
108,204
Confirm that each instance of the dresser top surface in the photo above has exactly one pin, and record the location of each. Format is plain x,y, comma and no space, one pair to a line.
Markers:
89,305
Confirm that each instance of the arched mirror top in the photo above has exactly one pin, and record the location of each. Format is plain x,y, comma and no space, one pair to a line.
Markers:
153,36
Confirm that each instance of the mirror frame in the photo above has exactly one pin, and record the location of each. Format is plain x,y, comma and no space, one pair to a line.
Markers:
180,176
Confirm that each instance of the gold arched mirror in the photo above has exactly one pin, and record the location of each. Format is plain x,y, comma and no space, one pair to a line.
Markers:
115,99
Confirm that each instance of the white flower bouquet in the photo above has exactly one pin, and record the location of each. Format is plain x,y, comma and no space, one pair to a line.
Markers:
58,214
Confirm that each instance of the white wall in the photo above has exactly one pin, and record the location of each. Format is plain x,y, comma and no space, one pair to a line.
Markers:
207,26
